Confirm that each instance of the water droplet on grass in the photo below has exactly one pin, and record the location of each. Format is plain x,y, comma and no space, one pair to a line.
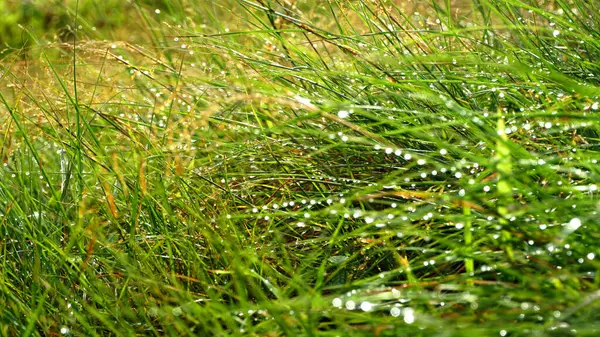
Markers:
337,302
573,225
366,306
409,315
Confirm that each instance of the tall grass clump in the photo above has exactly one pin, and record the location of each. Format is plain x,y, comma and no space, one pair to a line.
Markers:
303,168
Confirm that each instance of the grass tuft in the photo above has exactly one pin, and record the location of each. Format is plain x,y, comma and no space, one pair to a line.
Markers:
301,168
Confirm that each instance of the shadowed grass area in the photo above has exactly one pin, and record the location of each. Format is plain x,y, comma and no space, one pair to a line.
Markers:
330,168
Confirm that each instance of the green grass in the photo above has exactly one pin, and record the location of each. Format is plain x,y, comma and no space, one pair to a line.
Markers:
319,168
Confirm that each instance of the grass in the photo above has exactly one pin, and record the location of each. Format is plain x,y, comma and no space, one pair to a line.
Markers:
263,168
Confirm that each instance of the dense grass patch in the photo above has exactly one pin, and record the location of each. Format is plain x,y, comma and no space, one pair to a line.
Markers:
302,168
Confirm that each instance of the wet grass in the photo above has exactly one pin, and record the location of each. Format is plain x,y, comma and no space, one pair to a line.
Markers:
276,168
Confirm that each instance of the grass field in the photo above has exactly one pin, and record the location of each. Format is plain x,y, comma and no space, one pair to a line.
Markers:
300,168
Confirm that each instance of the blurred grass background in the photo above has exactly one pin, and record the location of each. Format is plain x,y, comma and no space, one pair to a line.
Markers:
53,20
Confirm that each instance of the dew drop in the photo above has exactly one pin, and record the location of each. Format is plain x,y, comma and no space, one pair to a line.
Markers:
573,225
366,306
343,114
409,315
337,302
